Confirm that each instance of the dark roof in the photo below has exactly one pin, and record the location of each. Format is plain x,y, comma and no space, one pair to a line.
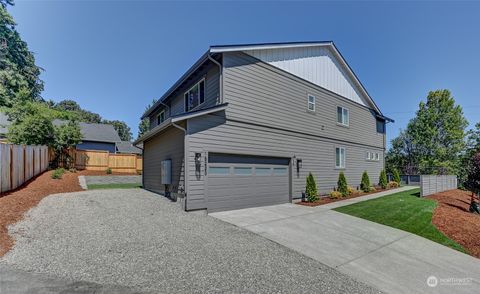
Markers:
4,123
94,132
127,147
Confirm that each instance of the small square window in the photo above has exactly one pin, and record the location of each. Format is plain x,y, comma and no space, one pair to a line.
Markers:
311,102
377,156
368,155
243,171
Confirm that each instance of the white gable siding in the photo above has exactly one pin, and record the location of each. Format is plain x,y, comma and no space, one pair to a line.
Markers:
314,64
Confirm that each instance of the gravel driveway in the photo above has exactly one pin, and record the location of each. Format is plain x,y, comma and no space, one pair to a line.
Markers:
112,179
138,239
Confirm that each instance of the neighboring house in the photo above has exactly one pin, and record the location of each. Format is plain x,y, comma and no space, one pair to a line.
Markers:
4,124
96,136
127,148
245,125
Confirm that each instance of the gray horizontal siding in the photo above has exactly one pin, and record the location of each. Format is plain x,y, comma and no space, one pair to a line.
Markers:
166,145
262,94
177,104
214,133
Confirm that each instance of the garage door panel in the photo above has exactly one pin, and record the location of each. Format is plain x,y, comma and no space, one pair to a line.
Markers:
236,184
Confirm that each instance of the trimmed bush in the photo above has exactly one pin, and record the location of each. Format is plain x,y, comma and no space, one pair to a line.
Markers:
365,183
396,176
393,184
58,173
372,189
342,185
109,171
334,195
311,190
350,190
382,181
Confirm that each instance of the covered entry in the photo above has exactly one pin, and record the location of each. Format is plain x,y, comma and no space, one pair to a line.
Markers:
241,181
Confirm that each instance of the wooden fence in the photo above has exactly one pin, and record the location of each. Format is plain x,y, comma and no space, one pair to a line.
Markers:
102,160
20,163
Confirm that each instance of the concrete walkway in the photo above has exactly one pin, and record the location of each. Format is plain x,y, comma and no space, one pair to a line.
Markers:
389,259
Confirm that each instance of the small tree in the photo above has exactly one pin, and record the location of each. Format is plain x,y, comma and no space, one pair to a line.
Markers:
34,129
382,181
311,188
396,176
66,136
342,185
365,184
473,179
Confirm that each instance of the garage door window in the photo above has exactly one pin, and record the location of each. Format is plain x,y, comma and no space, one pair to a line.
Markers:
243,171
263,171
219,170
280,171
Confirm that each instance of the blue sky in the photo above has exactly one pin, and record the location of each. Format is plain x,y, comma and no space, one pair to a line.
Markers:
114,57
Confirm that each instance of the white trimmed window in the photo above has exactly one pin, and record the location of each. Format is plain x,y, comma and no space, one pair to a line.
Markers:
373,156
377,156
195,96
311,102
161,117
369,155
340,157
343,116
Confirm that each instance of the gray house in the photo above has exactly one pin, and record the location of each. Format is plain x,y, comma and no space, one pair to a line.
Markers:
102,137
245,125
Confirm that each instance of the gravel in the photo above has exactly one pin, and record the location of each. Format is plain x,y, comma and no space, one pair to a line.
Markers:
140,240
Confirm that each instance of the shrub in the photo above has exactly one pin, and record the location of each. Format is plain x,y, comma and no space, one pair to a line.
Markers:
311,190
393,184
350,190
365,183
382,181
335,195
342,185
58,173
109,171
72,170
396,176
372,189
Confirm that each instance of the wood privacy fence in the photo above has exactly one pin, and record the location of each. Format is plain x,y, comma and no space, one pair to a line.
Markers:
20,163
431,184
102,160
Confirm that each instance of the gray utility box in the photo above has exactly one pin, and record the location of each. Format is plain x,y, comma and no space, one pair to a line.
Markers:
166,172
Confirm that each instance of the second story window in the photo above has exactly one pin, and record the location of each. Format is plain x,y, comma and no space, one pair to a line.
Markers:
343,116
161,117
311,102
195,96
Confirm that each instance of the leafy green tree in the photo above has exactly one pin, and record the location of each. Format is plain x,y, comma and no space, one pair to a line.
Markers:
365,183
382,181
311,190
342,185
473,139
433,141
122,129
18,71
144,125
66,136
68,105
36,129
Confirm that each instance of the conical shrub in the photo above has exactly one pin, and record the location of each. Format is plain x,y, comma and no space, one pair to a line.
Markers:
382,181
311,190
342,185
365,184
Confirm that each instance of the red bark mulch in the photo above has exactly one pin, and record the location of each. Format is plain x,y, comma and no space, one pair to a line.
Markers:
325,199
453,219
14,204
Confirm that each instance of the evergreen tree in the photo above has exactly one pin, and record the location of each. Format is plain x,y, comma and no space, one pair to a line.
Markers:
365,183
382,181
342,185
311,190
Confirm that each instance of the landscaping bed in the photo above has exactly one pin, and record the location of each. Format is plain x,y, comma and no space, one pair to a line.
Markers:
326,199
453,219
14,204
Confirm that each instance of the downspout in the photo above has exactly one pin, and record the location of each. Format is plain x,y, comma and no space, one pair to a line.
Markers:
220,81
184,160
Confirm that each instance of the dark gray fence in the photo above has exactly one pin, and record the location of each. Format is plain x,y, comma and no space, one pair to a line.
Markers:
431,184
412,180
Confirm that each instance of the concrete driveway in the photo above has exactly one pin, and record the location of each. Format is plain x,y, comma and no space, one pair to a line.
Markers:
131,240
389,259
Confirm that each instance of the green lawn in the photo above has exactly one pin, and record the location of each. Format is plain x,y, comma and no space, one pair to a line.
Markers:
114,186
405,211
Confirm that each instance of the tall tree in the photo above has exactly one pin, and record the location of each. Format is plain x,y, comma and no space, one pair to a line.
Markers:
18,72
122,129
144,125
434,139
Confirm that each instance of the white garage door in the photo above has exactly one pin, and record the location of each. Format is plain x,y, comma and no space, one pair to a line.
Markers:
235,181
